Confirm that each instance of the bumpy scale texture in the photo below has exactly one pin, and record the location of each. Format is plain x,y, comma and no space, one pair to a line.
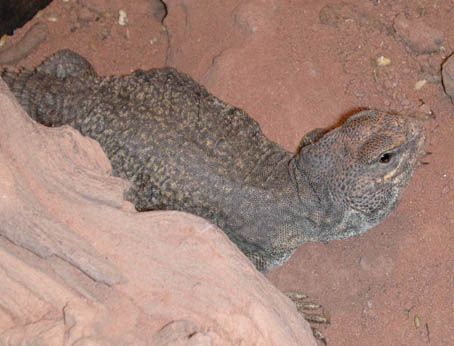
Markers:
184,149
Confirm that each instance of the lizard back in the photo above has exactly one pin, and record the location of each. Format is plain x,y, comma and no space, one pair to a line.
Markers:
184,149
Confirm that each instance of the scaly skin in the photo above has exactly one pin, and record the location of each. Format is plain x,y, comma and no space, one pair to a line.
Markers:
184,149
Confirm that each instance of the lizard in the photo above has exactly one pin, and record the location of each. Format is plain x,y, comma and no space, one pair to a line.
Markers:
184,149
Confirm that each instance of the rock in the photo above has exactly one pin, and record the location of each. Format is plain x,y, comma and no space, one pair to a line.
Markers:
29,42
420,38
80,266
447,72
159,9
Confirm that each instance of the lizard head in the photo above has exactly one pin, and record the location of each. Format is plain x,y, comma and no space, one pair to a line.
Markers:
362,168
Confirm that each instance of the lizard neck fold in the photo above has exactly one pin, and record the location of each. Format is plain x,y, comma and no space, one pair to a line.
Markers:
321,214
300,180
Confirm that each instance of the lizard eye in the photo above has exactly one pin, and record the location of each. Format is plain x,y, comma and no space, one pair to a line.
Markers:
385,158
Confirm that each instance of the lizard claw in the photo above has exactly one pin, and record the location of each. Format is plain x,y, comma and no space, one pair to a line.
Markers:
319,335
302,306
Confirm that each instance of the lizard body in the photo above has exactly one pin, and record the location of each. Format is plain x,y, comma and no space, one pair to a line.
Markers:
184,149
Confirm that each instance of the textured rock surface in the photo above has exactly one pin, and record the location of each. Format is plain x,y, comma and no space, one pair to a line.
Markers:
80,266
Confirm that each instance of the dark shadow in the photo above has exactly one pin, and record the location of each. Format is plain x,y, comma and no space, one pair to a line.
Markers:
15,13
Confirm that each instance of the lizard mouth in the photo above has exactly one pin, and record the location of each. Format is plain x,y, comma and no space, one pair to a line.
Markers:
390,175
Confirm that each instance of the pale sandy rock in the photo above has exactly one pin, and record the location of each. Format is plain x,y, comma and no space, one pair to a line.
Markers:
80,267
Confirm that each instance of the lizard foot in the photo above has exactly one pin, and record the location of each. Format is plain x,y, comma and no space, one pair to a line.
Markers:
304,307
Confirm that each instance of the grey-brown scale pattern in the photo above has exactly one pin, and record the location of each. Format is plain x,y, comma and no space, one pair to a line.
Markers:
184,149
